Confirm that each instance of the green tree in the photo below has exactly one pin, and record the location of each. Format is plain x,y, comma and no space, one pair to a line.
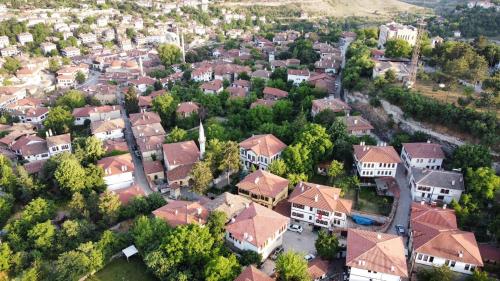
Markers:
202,176
165,106
77,206
317,140
483,181
294,179
80,77
169,54
5,257
59,120
6,205
71,266
335,170
249,257
278,167
54,65
479,276
148,233
176,135
298,159
471,156
90,149
109,207
291,266
7,177
327,245
69,174
397,48
442,273
216,223
71,99
258,115
42,236
221,268
11,65
38,210
131,100
230,158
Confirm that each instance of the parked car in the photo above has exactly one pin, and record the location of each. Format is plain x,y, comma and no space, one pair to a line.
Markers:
277,252
309,257
400,229
295,228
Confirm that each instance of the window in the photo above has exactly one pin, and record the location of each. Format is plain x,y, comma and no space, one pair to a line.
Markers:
445,191
298,206
419,257
323,213
431,259
299,215
467,266
337,214
322,222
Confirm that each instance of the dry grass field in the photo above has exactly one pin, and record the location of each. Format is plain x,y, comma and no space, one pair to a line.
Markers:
381,9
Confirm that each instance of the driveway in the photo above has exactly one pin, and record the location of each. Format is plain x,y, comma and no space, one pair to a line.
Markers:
300,242
402,215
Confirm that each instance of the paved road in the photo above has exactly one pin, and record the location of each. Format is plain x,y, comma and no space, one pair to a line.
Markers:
140,176
402,215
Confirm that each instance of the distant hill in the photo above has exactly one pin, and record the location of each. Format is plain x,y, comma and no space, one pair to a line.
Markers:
382,9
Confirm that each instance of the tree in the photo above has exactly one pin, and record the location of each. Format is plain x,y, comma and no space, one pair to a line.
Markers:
131,100
109,207
479,276
71,266
278,167
38,210
71,100
176,135
54,65
442,273
291,266
317,140
258,115
90,150
6,205
298,159
5,257
483,182
325,117
80,77
59,120
230,158
397,48
294,179
202,176
216,223
327,245
249,257
222,269
11,65
77,206
165,106
390,76
148,233
42,236
335,170
169,54
471,156
69,174
7,177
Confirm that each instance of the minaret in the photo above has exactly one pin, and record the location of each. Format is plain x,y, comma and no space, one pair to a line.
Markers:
201,140
182,48
140,66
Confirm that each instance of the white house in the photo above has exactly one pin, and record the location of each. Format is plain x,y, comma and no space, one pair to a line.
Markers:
70,52
48,47
320,205
257,229
30,148
433,185
202,74
395,30
24,38
422,155
4,41
260,150
436,241
118,171
96,113
9,51
58,144
108,129
373,256
298,75
376,161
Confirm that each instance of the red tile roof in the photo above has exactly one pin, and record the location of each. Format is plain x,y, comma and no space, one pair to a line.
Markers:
152,167
275,92
267,145
115,165
317,268
188,107
356,123
261,102
376,154
320,196
181,153
125,195
424,150
251,273
256,224
214,85
182,212
263,183
85,111
376,251
117,144
335,105
144,118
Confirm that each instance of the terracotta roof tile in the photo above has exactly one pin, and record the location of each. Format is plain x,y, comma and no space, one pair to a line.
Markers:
356,123
275,92
424,150
107,125
144,118
251,273
320,196
267,145
125,195
182,212
115,165
335,105
263,183
152,167
376,154
317,268
181,153
188,107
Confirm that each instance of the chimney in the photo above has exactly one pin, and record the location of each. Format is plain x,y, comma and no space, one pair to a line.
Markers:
355,121
335,196
379,236
256,181
393,268
176,212
444,207
422,202
245,235
428,141
453,182
316,198
198,211
247,205
233,220
301,187
460,254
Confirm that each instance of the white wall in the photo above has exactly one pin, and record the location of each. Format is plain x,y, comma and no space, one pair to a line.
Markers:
262,162
264,251
429,163
310,216
115,134
119,180
358,274
376,169
437,262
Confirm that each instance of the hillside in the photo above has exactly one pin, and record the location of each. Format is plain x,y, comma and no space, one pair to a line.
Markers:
338,8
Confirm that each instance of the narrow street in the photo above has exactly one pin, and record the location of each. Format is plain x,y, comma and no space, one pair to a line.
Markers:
402,215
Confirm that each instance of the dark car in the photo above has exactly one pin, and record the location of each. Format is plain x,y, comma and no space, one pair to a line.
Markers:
400,229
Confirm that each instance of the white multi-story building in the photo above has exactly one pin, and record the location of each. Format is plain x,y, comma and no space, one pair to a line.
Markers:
395,30
260,151
4,41
435,186
257,229
108,129
70,52
118,171
24,38
298,75
436,241
376,161
31,148
48,47
422,155
373,256
9,51
88,38
58,144
319,205
96,113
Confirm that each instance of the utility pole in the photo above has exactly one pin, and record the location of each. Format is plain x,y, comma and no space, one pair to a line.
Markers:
410,82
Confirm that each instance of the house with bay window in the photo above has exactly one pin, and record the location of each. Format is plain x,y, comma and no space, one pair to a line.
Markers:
376,161
436,186
320,205
260,151
422,155
264,188
436,241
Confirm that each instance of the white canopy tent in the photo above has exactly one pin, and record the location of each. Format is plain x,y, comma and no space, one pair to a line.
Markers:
130,251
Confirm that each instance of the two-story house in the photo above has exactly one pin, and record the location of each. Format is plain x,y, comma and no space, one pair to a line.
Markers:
264,188
436,241
186,109
298,76
333,104
179,159
376,161
30,148
58,144
212,87
96,113
260,151
108,129
202,74
274,93
257,229
180,212
357,125
373,256
436,185
118,171
422,155
319,205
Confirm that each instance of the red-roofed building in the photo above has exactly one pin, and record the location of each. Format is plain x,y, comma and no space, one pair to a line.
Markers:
357,125
376,161
318,269
257,229
422,155
118,171
264,188
179,159
153,170
320,205
298,76
251,273
436,241
274,94
126,194
212,87
182,212
333,104
375,256
186,109
260,150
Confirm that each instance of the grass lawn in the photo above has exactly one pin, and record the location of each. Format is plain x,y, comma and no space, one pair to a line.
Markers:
370,202
121,270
